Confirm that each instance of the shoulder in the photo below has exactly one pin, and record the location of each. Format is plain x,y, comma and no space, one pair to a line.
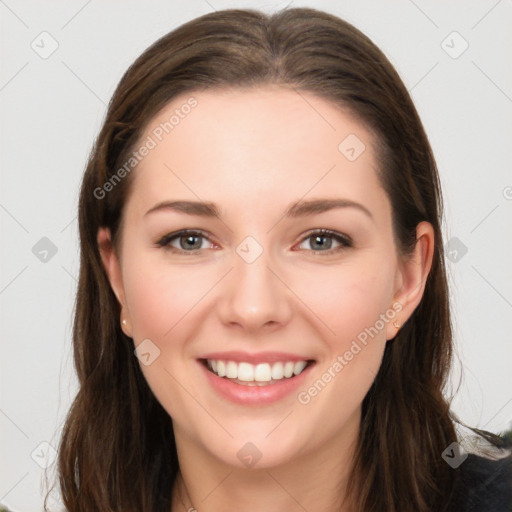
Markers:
483,485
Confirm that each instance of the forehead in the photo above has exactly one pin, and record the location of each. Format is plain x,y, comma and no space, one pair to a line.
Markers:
275,141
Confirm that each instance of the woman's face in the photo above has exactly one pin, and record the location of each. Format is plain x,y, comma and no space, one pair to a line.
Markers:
258,284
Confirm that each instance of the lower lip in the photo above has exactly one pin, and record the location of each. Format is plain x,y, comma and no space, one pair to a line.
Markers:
255,395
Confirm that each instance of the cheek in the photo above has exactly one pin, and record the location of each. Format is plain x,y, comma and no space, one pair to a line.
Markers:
160,295
348,299
162,301
355,305
357,308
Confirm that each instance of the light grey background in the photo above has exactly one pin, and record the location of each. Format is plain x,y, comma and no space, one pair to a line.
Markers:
51,111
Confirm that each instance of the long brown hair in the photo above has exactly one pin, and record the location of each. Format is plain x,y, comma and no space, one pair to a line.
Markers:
117,451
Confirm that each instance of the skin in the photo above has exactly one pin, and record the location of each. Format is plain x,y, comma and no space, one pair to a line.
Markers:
253,152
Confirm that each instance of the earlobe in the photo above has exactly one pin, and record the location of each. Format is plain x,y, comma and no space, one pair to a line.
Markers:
126,325
413,275
113,269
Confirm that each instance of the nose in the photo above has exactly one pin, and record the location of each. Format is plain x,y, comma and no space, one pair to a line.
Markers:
255,296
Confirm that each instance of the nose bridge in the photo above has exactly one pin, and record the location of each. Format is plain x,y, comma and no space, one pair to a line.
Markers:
256,296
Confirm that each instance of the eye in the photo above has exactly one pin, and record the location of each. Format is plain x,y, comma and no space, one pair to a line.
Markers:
188,240
322,240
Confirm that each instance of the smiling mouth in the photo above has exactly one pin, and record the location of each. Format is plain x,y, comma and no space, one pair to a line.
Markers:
262,374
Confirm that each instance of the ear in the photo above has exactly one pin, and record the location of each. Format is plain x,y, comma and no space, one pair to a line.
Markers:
412,276
112,266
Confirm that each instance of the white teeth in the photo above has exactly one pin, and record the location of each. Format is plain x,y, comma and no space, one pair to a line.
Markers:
245,372
231,370
288,369
299,366
262,372
277,371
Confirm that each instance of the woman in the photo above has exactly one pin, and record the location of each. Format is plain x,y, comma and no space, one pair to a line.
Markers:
262,319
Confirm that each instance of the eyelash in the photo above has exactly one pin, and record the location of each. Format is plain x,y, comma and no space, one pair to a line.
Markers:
344,240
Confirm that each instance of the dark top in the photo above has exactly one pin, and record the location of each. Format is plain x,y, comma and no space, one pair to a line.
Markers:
483,485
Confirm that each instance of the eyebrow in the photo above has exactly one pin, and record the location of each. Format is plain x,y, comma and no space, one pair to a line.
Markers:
296,209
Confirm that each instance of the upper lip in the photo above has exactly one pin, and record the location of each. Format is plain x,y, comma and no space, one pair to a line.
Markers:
260,357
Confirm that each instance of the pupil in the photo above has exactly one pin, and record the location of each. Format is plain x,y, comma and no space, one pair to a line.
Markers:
321,238
191,237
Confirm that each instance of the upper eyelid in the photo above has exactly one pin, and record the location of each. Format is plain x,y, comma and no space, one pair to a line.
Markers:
341,238
170,236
